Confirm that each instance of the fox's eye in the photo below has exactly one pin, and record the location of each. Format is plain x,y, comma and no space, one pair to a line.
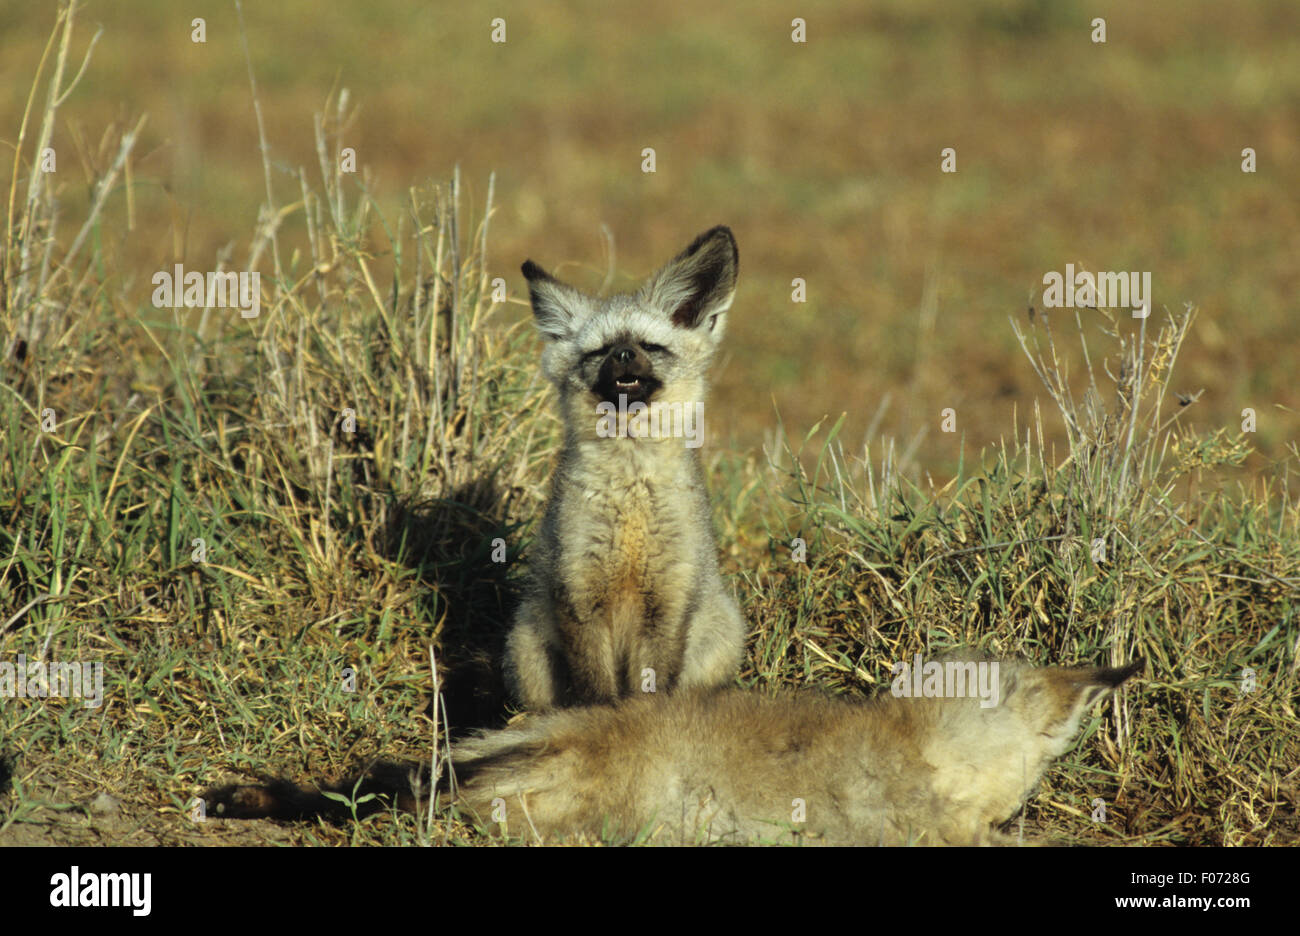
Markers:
653,348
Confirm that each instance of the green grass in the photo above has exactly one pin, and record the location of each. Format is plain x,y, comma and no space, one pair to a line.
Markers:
341,570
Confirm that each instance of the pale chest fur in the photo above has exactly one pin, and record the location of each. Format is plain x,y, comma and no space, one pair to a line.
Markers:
632,525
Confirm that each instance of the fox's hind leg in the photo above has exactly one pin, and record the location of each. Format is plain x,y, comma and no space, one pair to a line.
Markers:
715,642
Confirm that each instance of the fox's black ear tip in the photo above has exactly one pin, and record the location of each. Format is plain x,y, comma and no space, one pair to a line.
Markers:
717,232
1117,676
715,238
532,271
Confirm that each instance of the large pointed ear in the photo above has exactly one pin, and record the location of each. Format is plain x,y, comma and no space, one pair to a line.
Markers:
555,304
697,285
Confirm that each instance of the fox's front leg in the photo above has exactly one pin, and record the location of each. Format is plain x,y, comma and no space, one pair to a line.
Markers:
532,657
715,643
589,655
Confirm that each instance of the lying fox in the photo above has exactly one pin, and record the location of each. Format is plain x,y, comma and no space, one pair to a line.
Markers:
731,766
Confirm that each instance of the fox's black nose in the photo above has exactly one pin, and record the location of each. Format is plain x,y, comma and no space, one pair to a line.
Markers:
623,353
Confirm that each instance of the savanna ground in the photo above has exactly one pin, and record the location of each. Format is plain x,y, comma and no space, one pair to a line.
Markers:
184,499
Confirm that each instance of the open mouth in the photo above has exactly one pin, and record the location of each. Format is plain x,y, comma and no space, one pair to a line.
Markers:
636,388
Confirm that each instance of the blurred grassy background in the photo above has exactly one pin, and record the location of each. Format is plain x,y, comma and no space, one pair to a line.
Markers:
824,158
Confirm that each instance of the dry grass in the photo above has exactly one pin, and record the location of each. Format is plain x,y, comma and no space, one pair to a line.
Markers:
267,584
1102,556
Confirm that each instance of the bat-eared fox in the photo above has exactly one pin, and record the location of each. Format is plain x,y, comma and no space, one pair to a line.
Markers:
627,637
735,766
624,595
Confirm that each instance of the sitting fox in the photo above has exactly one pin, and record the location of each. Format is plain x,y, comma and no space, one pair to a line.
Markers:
625,595
735,766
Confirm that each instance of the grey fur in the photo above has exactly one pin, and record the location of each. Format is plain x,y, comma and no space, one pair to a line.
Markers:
624,592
